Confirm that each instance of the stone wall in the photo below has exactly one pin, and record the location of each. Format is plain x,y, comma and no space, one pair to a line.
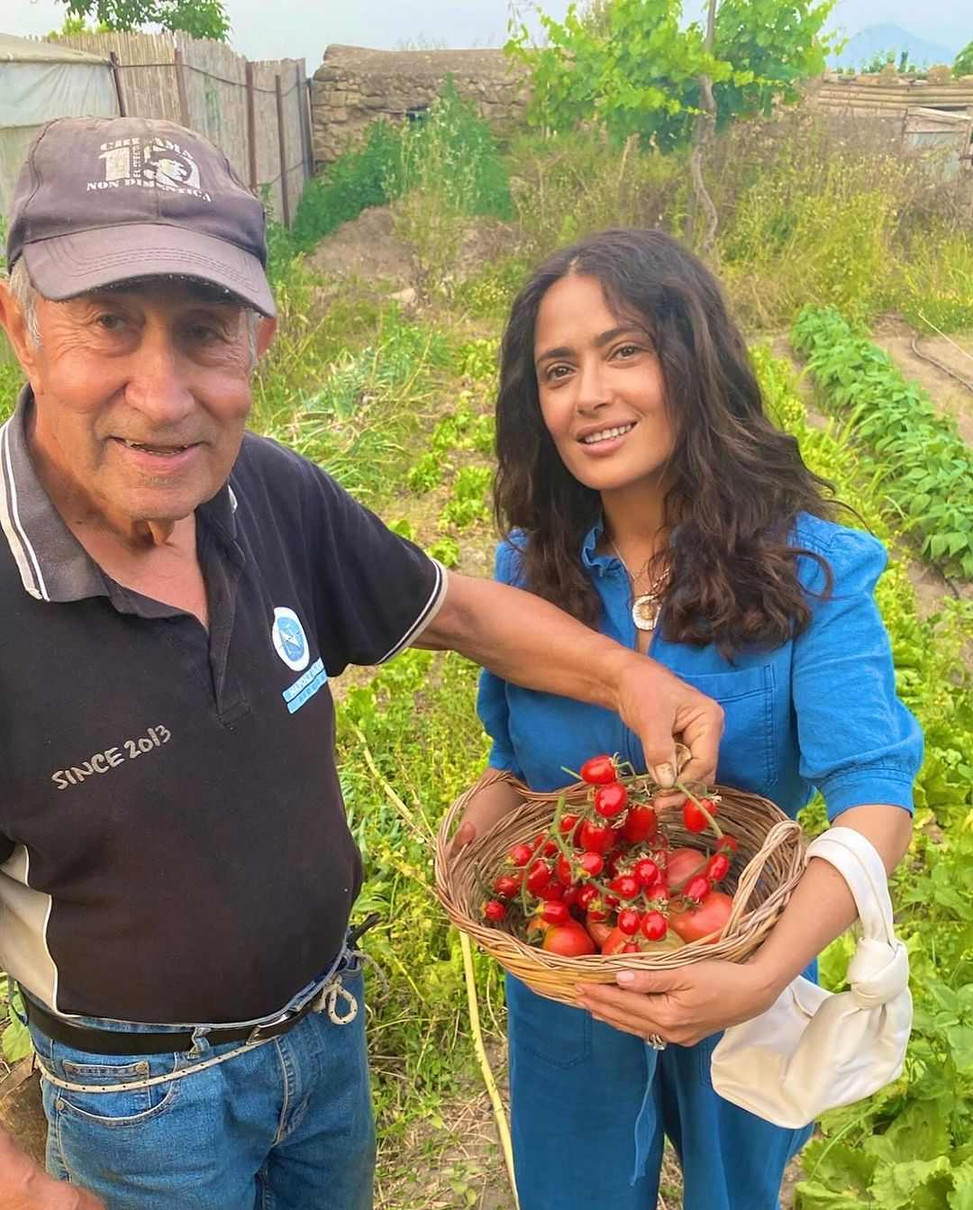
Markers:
354,86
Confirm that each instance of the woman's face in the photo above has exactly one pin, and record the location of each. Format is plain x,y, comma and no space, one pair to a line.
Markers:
601,389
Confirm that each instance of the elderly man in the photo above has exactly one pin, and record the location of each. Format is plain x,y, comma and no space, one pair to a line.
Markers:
177,874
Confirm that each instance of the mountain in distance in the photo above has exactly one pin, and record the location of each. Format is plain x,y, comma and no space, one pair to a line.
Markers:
877,39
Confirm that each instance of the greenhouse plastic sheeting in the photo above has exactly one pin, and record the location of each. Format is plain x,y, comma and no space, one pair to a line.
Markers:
40,81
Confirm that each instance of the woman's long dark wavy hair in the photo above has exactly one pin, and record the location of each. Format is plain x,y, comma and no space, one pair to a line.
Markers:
736,482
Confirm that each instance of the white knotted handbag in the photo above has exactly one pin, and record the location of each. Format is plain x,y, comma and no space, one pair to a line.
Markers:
813,1050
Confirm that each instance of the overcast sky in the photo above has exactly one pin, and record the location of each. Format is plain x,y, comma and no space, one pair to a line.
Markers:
299,29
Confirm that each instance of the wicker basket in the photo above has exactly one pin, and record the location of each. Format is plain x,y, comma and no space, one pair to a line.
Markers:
767,867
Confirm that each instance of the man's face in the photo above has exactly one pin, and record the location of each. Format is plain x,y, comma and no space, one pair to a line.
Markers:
141,395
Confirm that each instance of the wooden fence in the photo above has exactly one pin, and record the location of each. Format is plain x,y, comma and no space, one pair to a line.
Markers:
257,113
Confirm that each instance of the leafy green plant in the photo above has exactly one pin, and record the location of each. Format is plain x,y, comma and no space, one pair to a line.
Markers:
467,504
926,467
426,473
446,550
963,64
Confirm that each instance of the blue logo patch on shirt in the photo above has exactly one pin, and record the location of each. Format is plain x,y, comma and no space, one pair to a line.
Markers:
290,641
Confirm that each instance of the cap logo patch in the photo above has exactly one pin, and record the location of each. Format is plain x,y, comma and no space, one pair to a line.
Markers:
156,163
290,641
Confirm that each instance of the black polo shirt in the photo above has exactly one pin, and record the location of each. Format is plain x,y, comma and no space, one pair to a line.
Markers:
172,835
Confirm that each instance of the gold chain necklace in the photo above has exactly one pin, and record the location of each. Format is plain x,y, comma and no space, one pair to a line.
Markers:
646,607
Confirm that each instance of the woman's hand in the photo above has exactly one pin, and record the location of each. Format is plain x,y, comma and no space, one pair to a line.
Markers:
682,1005
490,802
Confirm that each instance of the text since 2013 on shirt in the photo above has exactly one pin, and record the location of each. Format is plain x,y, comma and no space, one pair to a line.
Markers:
111,758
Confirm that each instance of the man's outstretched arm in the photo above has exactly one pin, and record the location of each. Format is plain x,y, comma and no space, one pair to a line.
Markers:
531,643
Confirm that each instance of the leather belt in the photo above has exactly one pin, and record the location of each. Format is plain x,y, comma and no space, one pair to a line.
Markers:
123,1042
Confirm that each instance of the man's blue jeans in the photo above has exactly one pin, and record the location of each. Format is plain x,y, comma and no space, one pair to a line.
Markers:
286,1125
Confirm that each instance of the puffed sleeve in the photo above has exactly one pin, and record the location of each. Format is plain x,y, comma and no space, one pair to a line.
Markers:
491,699
859,744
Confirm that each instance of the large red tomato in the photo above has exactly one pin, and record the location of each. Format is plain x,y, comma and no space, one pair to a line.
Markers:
569,940
708,918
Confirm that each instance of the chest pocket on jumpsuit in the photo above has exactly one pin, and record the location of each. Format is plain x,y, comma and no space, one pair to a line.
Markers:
748,751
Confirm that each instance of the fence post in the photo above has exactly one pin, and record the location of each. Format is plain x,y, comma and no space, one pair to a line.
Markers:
303,98
180,67
119,90
252,128
282,140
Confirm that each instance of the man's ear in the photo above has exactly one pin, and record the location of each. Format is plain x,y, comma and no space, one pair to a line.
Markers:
265,334
15,325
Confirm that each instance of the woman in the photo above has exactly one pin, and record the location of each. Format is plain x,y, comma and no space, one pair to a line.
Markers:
642,488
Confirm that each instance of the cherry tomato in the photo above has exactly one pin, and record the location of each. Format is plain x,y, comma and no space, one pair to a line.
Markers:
693,818
538,876
546,847
598,771
595,837
571,894
521,854
727,844
562,869
494,910
640,823
570,940
553,890
626,886
628,921
568,824
507,885
691,924
554,912
597,910
586,896
717,867
698,888
592,864
630,948
682,864
647,872
610,800
654,926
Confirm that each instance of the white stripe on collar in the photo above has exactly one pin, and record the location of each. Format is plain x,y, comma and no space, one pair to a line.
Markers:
19,543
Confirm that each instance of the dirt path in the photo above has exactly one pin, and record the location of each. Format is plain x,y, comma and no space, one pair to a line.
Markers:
949,383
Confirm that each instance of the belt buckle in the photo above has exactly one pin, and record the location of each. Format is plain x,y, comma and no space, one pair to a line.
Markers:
272,1029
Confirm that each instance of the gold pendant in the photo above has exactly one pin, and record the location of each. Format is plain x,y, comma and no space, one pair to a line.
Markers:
645,611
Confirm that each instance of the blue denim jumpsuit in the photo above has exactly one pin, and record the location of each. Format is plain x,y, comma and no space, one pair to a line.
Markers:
590,1104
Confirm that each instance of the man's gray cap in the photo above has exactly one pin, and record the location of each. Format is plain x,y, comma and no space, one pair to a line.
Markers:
104,200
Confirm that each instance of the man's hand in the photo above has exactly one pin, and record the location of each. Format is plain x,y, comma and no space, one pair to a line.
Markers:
683,1005
25,1186
658,706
